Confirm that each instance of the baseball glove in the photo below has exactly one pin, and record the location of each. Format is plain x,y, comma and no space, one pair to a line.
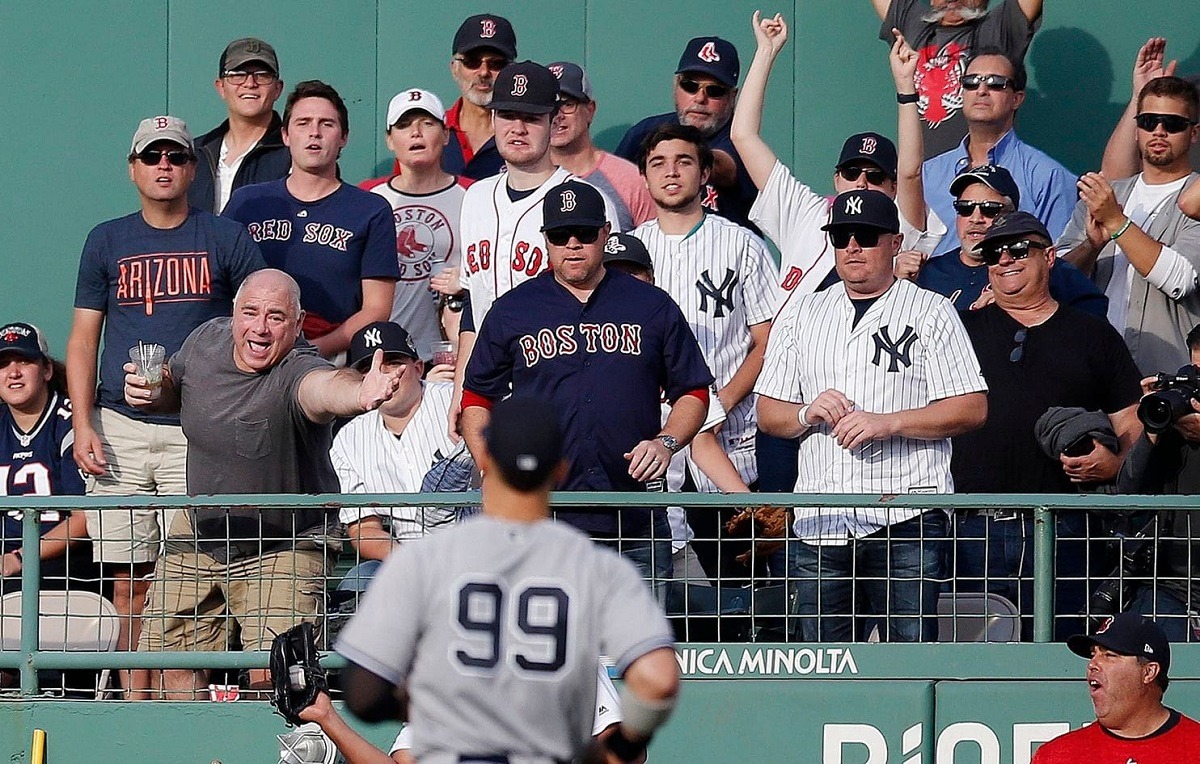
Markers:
760,523
296,673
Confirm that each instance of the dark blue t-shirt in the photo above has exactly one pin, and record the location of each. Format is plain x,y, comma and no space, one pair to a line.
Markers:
603,363
157,285
329,246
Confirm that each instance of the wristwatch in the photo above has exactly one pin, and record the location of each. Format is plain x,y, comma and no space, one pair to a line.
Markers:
670,442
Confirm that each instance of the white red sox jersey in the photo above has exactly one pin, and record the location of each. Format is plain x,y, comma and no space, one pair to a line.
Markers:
368,458
426,243
681,530
725,281
493,627
502,240
908,350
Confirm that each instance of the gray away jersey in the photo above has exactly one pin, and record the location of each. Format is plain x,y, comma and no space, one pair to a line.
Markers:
494,628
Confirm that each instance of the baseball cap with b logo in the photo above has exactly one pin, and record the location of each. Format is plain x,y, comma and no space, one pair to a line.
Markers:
411,100
712,56
869,147
1127,634
525,87
573,203
164,128
387,336
241,52
486,30
864,208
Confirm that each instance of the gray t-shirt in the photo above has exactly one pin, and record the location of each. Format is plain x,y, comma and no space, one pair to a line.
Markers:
248,434
494,628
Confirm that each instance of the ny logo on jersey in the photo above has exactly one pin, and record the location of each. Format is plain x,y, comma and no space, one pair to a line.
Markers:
372,338
722,295
487,28
709,52
568,201
898,349
854,205
520,84
868,146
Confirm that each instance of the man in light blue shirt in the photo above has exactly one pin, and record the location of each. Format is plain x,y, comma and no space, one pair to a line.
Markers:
993,90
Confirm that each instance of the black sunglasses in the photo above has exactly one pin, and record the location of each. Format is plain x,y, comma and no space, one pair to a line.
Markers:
152,157
473,61
560,236
989,209
875,176
1172,123
691,87
993,81
1019,351
866,237
1017,250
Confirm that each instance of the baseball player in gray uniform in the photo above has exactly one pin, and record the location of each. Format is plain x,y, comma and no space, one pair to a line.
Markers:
486,635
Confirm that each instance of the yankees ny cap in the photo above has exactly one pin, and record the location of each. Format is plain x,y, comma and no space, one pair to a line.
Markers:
524,441
387,336
993,176
241,52
572,80
1127,634
486,30
712,56
525,87
624,248
573,203
23,339
869,147
164,128
865,207
1013,225
412,99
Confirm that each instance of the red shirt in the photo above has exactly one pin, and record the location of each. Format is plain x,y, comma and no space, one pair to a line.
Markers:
1176,742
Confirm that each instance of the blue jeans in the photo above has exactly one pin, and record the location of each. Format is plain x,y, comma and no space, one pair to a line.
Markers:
359,577
1168,611
894,573
650,555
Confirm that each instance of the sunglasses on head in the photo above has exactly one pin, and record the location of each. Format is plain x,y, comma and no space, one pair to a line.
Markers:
866,237
691,87
473,61
1017,250
874,175
584,234
152,157
992,81
1172,123
988,209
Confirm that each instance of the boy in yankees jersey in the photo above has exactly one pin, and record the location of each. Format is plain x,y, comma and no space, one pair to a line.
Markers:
877,375
488,633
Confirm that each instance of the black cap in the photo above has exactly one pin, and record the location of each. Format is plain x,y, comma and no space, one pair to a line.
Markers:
869,147
1013,225
572,80
524,441
23,339
865,207
1127,634
486,30
712,56
573,203
389,337
526,87
241,52
993,176
624,248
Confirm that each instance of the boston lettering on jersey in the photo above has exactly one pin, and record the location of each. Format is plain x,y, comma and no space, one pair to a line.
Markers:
526,258
163,277
565,340
313,233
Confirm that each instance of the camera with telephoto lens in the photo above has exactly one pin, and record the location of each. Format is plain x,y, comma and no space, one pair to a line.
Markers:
1172,398
1137,561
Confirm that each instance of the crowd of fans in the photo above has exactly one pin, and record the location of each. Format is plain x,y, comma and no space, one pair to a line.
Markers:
965,315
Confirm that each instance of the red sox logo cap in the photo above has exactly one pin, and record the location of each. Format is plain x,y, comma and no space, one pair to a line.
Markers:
486,30
712,56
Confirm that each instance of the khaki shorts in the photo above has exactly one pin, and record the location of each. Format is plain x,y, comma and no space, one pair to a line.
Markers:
143,460
197,603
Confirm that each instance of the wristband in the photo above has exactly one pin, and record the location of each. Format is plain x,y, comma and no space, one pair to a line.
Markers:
802,415
907,98
1123,229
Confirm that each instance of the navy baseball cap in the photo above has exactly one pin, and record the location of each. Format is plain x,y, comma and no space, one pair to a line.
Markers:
869,147
525,87
573,203
524,441
24,340
572,80
387,336
712,56
1127,634
241,52
624,248
993,176
1013,225
865,207
486,30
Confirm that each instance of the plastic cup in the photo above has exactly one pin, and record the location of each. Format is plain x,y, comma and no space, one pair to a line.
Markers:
445,353
148,357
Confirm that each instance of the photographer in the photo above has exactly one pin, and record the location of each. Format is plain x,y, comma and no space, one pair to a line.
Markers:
1167,461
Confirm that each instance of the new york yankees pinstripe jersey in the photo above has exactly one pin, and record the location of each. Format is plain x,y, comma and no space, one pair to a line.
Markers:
368,458
908,350
724,280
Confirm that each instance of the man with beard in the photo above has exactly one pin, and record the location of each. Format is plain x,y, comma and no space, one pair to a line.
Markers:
1133,240
483,45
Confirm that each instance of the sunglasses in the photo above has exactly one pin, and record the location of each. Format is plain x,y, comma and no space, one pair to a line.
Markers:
1017,250
875,176
1172,123
866,237
584,234
473,61
992,81
988,209
691,87
1019,351
236,77
177,157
